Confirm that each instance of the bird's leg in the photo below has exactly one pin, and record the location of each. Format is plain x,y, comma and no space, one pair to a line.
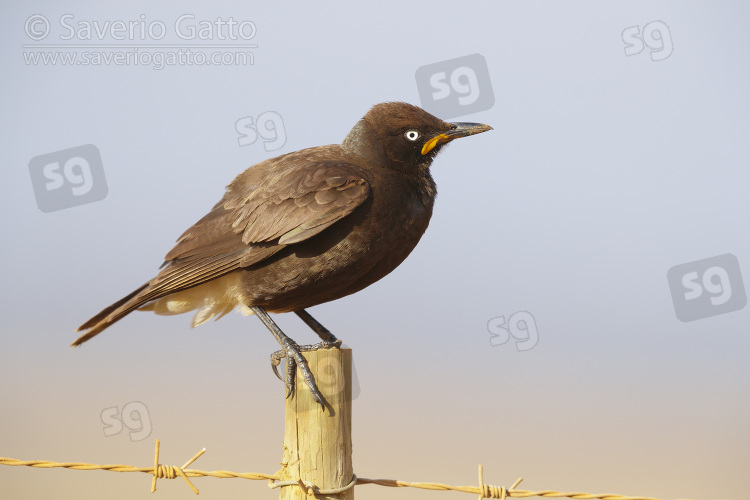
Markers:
294,357
328,339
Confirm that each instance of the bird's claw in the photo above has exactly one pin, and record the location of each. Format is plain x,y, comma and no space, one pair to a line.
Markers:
276,358
291,365
294,358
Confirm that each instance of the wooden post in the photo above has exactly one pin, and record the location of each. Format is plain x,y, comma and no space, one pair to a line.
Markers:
318,445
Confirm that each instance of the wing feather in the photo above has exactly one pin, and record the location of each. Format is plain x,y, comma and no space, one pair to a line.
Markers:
268,207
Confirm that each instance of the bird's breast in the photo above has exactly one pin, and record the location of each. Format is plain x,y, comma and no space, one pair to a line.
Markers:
350,255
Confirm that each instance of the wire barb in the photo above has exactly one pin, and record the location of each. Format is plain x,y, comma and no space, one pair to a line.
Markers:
492,491
172,471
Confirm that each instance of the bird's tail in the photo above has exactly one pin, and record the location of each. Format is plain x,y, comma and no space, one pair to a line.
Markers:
109,316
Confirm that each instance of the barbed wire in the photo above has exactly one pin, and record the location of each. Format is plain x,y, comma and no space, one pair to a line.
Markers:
160,471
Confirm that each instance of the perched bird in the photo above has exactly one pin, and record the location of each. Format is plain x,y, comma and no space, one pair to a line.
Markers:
304,228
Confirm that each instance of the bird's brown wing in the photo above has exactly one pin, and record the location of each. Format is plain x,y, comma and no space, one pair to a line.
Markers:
254,222
264,210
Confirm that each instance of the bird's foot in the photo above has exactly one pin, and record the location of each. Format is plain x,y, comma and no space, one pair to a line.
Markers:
293,354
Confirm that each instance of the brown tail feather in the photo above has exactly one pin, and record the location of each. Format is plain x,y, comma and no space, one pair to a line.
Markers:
109,316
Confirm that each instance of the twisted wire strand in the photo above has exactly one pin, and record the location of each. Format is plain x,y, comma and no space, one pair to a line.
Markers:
161,471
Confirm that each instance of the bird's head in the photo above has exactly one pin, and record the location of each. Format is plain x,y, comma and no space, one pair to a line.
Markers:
404,136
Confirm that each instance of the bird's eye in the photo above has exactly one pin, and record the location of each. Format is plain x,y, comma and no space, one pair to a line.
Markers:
411,135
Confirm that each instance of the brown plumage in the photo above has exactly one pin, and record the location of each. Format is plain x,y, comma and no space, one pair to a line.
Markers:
306,227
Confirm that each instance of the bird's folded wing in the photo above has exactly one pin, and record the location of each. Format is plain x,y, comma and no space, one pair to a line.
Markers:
265,209
255,220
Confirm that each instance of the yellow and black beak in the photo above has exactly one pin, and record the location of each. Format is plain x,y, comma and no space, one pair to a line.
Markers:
457,130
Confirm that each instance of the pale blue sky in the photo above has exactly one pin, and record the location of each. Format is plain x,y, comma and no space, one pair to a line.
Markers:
603,171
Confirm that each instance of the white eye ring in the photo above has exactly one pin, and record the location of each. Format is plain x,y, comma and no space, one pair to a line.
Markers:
412,135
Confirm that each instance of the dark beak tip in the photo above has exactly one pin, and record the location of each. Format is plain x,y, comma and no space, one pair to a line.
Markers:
464,129
481,127
457,130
